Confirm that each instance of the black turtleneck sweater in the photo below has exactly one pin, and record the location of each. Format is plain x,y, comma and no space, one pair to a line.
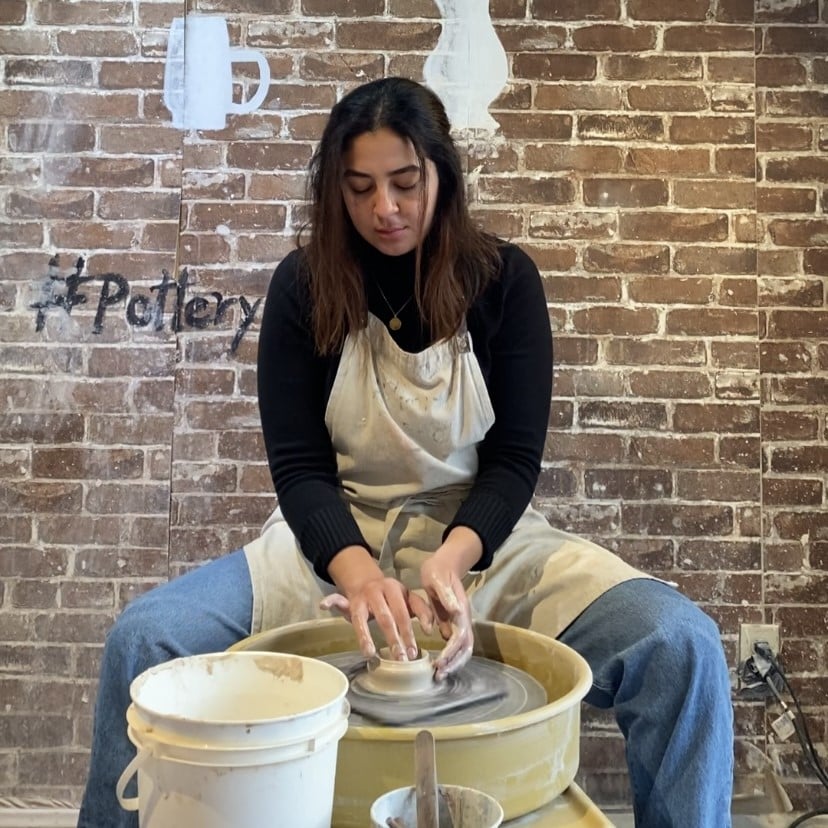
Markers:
511,338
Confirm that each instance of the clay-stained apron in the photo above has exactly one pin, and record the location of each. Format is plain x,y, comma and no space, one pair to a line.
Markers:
405,427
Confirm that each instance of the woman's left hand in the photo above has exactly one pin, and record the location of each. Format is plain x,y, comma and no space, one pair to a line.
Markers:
441,577
451,608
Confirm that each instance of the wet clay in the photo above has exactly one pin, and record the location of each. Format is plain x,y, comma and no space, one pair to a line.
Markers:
483,690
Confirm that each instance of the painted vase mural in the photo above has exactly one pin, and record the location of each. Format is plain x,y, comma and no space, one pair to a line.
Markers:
468,68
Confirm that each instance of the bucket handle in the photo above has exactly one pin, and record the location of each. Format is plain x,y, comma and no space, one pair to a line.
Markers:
130,803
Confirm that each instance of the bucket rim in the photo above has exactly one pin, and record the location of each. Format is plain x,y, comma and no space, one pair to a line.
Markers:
313,743
334,673
161,735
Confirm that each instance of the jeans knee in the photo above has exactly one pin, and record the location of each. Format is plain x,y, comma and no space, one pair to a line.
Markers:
135,636
689,643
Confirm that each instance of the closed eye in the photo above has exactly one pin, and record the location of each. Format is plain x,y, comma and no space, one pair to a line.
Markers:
405,179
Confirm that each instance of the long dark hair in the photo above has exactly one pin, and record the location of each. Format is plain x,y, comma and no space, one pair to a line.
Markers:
460,259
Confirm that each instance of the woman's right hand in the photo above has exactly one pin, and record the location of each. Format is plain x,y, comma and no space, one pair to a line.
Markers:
366,593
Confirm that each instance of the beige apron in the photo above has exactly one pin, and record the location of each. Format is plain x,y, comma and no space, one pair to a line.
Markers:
405,429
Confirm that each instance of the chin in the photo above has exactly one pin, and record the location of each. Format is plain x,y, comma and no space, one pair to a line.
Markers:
393,247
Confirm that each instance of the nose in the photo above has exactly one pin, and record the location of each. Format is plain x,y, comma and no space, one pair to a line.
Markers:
384,203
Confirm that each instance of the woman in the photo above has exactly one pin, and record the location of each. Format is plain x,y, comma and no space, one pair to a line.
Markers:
405,372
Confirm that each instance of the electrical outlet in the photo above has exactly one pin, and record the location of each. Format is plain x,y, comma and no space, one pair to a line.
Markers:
751,633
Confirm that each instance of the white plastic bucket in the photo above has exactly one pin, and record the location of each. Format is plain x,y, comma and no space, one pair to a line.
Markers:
235,740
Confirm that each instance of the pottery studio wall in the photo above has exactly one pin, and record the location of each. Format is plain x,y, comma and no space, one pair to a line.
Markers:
662,160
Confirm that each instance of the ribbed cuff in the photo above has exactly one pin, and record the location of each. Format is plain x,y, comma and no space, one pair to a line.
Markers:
326,532
489,516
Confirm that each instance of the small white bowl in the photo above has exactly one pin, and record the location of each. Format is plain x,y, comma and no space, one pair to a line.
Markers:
469,808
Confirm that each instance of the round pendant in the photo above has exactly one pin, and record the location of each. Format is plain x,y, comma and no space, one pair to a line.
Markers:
394,324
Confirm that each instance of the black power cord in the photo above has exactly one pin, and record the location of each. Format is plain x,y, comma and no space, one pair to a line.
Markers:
806,817
766,665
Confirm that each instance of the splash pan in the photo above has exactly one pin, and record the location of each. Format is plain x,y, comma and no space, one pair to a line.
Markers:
524,760
483,690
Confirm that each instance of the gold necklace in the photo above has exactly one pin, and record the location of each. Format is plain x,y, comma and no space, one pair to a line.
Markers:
394,323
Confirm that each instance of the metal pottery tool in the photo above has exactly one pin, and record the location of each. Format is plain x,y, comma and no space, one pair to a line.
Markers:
425,772
432,805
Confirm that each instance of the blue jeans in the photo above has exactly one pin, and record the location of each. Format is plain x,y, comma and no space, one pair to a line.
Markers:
656,659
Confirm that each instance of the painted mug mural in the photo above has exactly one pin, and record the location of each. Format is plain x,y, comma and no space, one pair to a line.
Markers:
198,76
468,69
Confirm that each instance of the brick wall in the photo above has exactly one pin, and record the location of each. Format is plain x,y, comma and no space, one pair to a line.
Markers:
792,266
663,161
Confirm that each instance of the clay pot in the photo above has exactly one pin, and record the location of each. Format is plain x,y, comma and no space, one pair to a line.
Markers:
387,677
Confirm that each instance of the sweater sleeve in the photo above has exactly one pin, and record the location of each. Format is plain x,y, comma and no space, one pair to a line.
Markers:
292,398
519,381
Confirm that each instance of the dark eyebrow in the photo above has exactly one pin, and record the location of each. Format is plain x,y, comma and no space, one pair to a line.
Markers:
400,171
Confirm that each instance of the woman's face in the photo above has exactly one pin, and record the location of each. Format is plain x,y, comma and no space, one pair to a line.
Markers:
385,191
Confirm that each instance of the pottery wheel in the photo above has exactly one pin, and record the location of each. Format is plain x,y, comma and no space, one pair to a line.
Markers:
481,691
